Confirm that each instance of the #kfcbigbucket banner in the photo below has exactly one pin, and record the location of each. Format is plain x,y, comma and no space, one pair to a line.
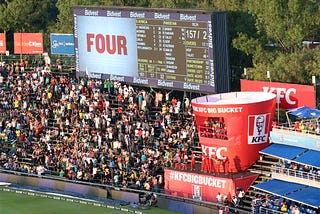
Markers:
28,43
204,187
288,95
3,47
234,126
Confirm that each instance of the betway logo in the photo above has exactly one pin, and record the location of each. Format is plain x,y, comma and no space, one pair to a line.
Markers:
283,94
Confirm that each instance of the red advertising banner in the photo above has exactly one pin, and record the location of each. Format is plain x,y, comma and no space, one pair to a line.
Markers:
204,187
3,47
28,43
234,127
288,95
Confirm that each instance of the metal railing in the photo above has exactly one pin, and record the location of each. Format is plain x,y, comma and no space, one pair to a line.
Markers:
295,173
288,127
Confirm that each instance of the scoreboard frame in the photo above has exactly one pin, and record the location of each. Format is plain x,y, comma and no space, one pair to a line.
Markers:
177,49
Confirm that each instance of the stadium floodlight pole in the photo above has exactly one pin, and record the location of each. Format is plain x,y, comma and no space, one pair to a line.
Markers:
269,75
245,72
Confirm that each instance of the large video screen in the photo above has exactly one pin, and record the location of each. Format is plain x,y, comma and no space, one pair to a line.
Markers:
171,49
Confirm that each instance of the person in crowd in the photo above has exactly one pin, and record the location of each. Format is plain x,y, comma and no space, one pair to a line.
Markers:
219,198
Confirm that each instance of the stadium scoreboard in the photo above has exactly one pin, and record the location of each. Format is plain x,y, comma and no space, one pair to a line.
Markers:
162,48
175,50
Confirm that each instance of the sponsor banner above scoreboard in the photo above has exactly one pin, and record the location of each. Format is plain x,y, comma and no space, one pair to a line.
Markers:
62,44
164,48
288,95
3,47
28,43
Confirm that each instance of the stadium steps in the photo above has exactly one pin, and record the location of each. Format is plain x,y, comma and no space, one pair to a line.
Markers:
263,168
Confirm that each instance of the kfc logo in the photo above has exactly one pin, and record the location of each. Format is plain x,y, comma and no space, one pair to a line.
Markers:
283,94
219,152
258,128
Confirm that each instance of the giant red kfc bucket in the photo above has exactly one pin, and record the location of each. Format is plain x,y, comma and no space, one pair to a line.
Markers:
234,126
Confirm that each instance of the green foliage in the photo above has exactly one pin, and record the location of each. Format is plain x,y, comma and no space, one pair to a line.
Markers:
25,15
281,26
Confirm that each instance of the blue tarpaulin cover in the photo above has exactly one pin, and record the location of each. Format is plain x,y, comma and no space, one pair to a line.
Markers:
279,187
305,112
283,151
311,158
309,196
293,191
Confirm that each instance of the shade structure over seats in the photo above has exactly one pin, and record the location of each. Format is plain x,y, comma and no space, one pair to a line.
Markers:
292,191
305,112
293,153
310,158
283,151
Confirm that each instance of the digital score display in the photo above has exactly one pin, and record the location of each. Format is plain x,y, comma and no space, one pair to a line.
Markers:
171,49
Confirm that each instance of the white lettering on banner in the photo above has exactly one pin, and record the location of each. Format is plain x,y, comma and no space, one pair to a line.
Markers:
56,44
210,39
140,81
137,15
165,83
214,151
91,12
282,93
217,110
94,76
116,78
161,16
197,179
186,17
1,43
75,26
113,13
190,86
76,51
34,44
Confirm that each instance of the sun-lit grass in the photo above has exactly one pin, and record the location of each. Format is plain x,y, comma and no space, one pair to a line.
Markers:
13,203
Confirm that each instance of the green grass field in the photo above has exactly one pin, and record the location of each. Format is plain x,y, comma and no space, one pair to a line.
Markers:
14,203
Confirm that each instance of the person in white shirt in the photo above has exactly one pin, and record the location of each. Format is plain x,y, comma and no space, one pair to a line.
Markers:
219,198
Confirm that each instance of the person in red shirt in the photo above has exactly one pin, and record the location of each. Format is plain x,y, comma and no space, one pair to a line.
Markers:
203,162
212,164
22,65
174,101
226,164
193,162
185,161
206,163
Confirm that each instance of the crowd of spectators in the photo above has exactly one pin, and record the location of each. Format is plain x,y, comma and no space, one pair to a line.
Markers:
90,130
297,169
270,203
310,126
